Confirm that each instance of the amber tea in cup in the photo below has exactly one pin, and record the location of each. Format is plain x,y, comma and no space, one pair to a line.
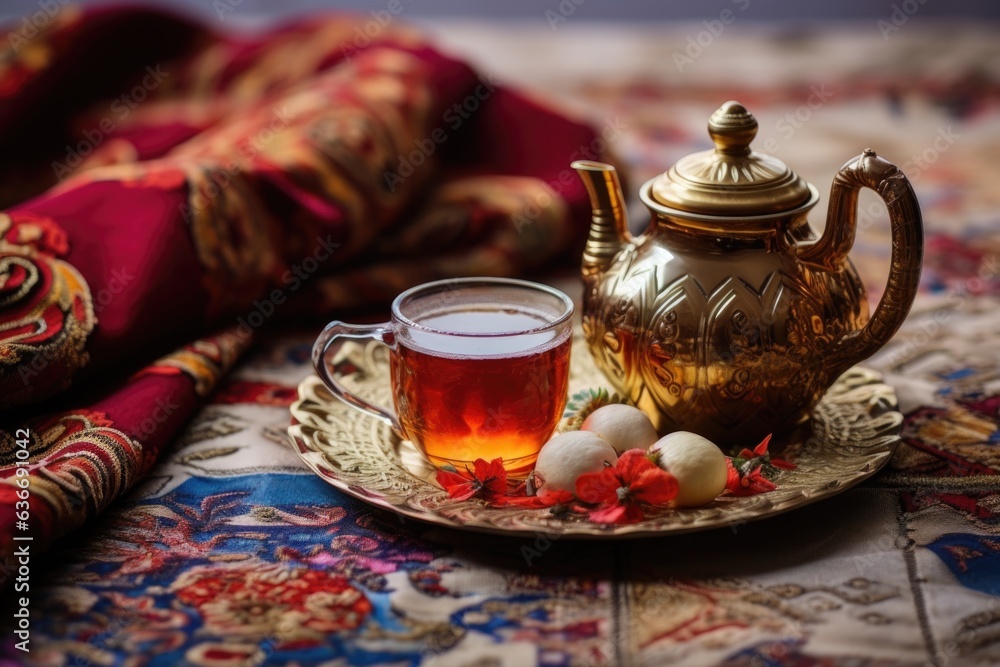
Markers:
479,368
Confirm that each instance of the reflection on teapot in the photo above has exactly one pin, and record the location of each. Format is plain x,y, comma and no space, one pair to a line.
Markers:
727,317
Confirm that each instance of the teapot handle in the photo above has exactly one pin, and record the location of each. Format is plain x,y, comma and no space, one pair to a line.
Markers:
870,171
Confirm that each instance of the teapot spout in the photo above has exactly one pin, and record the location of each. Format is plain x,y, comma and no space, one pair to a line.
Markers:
609,225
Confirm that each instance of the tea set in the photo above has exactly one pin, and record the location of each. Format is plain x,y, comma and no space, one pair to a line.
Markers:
727,317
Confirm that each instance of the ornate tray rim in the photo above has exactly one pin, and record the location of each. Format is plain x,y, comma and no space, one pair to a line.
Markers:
855,424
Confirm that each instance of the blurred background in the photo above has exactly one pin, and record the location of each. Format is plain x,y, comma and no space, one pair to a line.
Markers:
918,80
603,10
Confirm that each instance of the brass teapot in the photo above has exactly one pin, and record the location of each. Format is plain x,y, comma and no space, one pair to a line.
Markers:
727,317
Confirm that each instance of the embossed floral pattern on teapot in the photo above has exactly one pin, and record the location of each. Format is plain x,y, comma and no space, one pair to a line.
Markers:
728,317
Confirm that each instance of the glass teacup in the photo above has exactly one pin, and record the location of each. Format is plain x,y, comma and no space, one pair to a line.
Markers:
479,368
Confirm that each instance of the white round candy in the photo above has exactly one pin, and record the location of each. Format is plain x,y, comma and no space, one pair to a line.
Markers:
698,464
567,456
623,426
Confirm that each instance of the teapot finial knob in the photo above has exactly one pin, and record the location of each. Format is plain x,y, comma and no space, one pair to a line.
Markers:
731,179
732,128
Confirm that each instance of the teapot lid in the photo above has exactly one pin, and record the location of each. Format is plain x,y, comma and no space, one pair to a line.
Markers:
731,179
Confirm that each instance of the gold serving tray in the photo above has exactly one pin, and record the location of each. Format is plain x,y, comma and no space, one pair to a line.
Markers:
852,434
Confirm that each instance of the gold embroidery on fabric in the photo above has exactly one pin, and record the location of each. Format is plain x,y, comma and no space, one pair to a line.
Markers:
43,346
79,465
204,361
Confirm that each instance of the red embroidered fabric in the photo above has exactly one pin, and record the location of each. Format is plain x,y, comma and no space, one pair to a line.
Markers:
166,184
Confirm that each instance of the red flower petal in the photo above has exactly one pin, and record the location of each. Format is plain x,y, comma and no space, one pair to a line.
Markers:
655,487
491,476
458,487
489,470
537,502
732,476
488,481
612,514
761,449
598,487
747,485
617,514
756,482
633,463
783,464
633,513
462,493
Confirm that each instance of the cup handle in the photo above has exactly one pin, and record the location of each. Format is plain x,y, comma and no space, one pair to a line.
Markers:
332,336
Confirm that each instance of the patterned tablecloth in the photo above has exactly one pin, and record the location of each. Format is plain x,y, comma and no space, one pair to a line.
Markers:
231,552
